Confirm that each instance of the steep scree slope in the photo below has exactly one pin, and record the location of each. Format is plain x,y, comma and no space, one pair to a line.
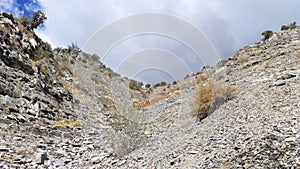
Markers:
63,108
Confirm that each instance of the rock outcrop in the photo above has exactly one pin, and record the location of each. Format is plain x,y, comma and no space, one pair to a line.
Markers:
30,84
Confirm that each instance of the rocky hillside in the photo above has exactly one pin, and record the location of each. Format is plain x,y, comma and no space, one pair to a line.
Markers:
62,108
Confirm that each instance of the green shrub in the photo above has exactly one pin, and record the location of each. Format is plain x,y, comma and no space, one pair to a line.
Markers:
292,25
163,83
38,18
267,34
135,85
156,85
284,27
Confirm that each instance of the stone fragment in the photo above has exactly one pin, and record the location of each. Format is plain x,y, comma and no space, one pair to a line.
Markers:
280,83
290,139
194,152
41,157
4,149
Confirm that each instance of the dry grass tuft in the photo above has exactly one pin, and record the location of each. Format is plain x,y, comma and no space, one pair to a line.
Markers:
176,92
42,64
68,86
4,29
142,104
45,70
109,99
70,123
6,109
37,62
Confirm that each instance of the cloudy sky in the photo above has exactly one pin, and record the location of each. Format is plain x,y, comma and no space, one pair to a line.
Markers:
223,28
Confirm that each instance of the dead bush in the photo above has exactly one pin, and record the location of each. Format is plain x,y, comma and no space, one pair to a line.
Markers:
209,96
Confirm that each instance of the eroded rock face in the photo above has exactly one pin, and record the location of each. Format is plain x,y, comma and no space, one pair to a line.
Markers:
30,87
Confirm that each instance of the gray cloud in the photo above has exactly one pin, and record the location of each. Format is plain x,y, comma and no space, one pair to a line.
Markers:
229,25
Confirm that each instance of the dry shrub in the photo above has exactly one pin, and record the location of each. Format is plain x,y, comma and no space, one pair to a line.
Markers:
45,70
174,93
61,106
108,101
200,78
6,109
64,67
139,105
68,86
4,29
202,98
30,34
209,96
267,64
37,62
42,64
